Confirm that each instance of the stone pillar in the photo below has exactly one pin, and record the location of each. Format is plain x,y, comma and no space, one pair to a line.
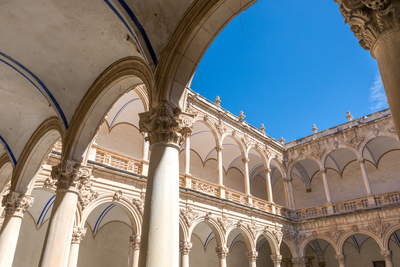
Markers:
145,156
70,177
166,126
387,256
341,259
299,262
252,257
222,253
276,259
135,246
269,185
326,186
77,236
187,153
246,175
376,25
289,192
365,177
15,205
184,248
220,167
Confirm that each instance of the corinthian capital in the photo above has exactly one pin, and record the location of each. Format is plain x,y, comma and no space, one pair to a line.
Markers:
222,252
251,255
276,259
69,175
16,203
369,18
77,234
165,124
184,247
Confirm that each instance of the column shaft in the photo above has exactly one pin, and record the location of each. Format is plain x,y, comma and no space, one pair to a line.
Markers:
326,186
289,193
269,185
8,239
145,156
187,154
57,244
246,176
160,228
73,255
365,177
220,168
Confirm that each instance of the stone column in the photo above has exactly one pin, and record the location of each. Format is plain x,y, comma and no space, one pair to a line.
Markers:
376,25
326,186
246,175
252,256
70,177
145,156
184,248
187,153
222,253
276,259
135,246
220,168
269,185
289,191
77,236
341,259
387,256
15,205
365,177
166,126
299,262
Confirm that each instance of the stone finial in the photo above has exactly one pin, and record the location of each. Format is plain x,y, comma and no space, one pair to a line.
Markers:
217,100
314,128
281,140
262,128
241,116
349,116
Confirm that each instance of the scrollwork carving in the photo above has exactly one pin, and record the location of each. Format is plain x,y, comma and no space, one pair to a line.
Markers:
16,203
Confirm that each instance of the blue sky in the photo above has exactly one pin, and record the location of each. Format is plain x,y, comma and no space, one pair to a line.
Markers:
296,65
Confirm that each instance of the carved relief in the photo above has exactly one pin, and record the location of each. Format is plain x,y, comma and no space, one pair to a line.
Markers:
77,234
135,241
69,175
356,141
17,204
253,228
86,193
378,228
117,196
139,203
318,153
335,234
189,215
252,255
224,222
222,252
184,247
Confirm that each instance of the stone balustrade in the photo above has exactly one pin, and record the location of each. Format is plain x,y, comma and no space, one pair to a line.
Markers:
118,161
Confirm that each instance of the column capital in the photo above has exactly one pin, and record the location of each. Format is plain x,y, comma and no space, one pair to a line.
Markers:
267,170
222,252
299,262
287,179
17,204
77,235
361,161
340,258
185,247
386,255
219,148
135,241
369,19
69,174
252,255
323,170
245,160
276,259
166,123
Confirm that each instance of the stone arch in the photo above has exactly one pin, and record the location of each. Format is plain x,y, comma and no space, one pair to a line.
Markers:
303,245
299,159
124,203
294,249
278,162
34,153
340,146
198,28
210,126
6,169
372,136
185,229
387,235
261,153
342,240
212,223
273,244
249,237
122,76
237,140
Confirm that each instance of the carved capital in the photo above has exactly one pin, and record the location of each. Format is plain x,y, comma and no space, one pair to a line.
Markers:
386,255
276,259
166,124
77,234
185,247
16,203
340,258
368,19
69,175
135,242
222,252
245,160
219,148
299,262
323,170
361,161
252,255
267,170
